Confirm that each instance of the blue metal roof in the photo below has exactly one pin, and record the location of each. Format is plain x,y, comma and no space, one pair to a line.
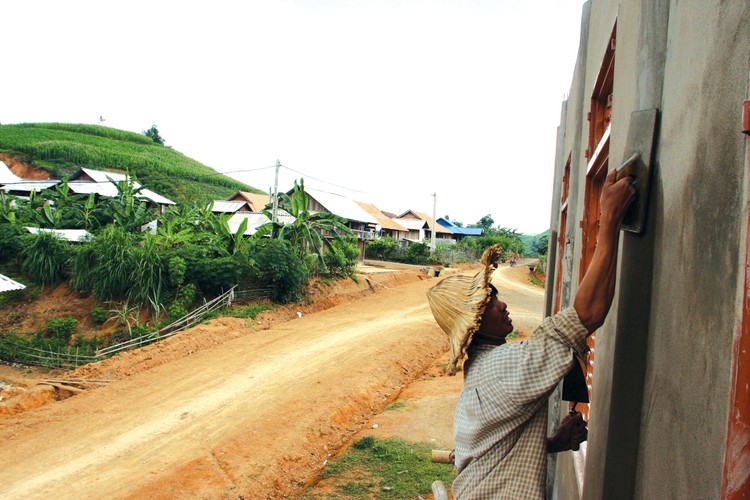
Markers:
466,231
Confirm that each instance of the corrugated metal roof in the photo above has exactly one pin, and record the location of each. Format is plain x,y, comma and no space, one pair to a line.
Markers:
109,190
467,231
66,234
254,220
6,175
100,176
341,206
228,207
7,284
155,197
28,186
413,224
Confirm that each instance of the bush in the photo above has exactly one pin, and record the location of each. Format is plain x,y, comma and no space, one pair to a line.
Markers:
99,314
10,241
216,275
417,253
60,329
341,258
278,266
383,248
45,256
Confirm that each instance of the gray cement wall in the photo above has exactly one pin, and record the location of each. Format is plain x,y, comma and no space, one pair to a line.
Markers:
662,379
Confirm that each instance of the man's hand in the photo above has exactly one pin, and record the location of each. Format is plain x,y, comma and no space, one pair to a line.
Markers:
615,198
597,288
570,434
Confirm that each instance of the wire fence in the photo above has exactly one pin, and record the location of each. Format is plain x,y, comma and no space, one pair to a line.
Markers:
17,351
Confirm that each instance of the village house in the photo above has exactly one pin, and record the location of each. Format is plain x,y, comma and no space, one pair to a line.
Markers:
459,233
421,225
87,180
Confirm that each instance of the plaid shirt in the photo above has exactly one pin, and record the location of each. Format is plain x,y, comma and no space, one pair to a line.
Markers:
500,424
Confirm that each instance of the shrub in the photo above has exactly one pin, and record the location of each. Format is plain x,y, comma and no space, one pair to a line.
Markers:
10,241
417,253
216,275
60,329
176,311
383,248
341,258
278,266
99,314
45,256
176,270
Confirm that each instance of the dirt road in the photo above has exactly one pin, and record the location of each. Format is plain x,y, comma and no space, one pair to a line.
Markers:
255,415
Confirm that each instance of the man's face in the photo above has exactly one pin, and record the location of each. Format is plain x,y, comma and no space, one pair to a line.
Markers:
496,320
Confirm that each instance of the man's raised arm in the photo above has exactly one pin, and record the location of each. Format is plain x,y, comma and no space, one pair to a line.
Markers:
596,291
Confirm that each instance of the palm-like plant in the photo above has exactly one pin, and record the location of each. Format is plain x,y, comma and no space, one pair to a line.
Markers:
125,209
232,242
306,232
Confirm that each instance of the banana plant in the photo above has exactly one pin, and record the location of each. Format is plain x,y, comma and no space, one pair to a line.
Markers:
7,208
234,242
308,229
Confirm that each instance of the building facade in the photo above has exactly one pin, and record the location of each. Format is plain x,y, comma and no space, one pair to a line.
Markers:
668,372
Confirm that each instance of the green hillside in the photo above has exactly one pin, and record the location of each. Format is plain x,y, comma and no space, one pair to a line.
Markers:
61,149
531,242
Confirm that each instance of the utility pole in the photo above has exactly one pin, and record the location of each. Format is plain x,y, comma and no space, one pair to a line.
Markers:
275,192
434,223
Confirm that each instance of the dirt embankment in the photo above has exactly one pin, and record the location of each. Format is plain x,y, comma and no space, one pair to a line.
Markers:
24,170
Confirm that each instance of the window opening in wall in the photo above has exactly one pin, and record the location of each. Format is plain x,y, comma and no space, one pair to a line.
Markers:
561,235
600,114
597,155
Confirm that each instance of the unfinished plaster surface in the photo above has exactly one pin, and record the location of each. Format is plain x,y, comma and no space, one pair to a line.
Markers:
694,313
660,397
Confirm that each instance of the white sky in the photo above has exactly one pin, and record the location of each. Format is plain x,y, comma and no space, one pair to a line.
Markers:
391,100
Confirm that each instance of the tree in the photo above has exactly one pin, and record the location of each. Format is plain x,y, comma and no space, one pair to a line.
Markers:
541,245
485,223
153,134
306,230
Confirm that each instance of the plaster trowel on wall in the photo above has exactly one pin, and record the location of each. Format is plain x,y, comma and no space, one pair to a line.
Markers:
639,151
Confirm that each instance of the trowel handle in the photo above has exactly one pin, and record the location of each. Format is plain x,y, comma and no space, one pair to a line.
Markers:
574,446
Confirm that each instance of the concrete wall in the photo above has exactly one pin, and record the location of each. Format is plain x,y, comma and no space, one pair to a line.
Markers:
663,361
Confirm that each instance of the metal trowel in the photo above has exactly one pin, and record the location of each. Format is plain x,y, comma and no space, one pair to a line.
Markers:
639,151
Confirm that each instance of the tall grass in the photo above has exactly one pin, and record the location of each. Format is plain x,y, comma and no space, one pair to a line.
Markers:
114,264
44,258
149,278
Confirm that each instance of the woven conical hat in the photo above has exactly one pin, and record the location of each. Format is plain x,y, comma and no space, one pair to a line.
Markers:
457,304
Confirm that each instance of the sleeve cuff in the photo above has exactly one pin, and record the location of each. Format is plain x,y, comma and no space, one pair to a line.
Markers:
570,331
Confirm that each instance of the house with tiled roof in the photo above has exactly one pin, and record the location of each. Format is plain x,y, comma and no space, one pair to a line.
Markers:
388,226
441,232
255,201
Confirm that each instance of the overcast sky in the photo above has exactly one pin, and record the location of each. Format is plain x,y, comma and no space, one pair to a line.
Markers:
385,101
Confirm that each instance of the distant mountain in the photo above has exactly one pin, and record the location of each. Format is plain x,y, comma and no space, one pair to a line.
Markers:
61,149
530,241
